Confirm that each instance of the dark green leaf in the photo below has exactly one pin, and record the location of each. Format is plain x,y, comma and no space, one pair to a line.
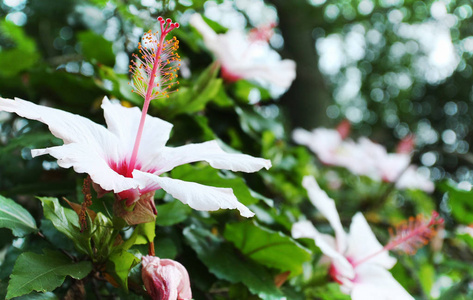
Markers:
34,139
224,263
190,100
43,272
267,247
172,213
165,248
16,218
253,123
96,48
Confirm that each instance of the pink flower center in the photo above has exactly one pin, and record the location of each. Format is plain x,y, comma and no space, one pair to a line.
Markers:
228,76
337,275
123,167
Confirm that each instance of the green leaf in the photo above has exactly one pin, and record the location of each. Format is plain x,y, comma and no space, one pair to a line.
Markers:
330,291
104,237
120,87
43,272
76,89
193,99
254,123
207,175
96,48
270,248
427,277
224,262
467,238
16,218
66,221
146,233
30,139
143,234
243,88
460,201
165,248
119,266
172,213
20,58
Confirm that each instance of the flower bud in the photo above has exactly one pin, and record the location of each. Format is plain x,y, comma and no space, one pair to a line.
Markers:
165,279
142,211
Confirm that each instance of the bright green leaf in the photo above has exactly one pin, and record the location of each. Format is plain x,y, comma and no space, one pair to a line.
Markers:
224,262
25,49
43,272
427,277
16,218
146,233
330,291
66,221
119,266
143,234
460,201
267,247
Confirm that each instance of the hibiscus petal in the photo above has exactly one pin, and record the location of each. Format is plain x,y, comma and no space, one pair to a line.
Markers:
303,137
375,282
197,196
326,206
412,179
124,121
278,72
362,243
71,128
307,230
204,29
168,158
84,160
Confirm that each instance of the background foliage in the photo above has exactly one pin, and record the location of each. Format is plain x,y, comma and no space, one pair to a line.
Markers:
368,61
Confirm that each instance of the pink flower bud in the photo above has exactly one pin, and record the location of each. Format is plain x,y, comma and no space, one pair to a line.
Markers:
344,129
165,279
407,144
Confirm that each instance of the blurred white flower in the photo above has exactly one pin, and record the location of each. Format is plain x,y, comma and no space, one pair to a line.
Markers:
247,56
385,166
359,263
364,157
412,179
462,229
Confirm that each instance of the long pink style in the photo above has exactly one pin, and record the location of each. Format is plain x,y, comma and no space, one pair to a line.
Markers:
410,235
154,60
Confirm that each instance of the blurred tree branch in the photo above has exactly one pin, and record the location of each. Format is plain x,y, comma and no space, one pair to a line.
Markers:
308,98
